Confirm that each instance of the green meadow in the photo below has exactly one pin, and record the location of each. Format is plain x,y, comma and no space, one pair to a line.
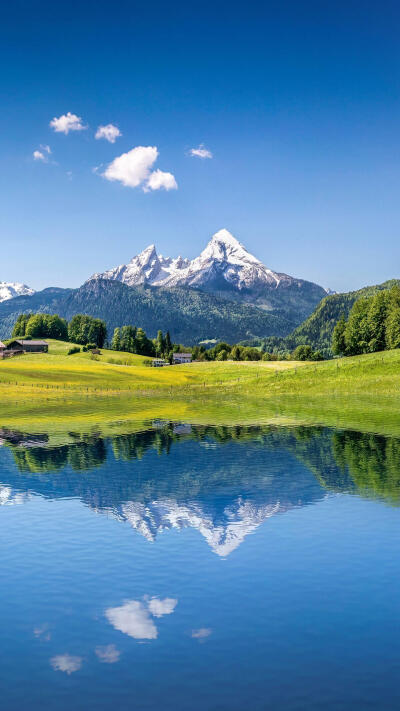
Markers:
117,391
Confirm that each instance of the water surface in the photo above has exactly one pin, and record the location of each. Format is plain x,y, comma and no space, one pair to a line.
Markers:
198,568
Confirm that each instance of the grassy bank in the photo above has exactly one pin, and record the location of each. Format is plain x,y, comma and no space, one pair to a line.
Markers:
118,389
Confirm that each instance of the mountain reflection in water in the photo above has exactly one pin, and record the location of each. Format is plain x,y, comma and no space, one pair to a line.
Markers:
224,482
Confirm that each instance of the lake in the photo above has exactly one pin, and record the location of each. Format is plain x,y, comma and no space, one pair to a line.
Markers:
183,568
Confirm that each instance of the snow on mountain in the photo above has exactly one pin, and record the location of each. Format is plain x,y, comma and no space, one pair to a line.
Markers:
146,268
223,535
9,289
224,263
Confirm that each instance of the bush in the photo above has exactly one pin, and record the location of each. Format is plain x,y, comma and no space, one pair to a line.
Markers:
73,350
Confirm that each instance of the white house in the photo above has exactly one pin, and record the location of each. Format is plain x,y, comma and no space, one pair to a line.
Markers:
159,362
182,358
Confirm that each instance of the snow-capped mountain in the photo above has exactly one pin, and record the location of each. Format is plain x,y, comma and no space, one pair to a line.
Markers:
146,268
10,289
225,264
223,534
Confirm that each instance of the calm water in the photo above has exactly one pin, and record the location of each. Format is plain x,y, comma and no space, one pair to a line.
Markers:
186,569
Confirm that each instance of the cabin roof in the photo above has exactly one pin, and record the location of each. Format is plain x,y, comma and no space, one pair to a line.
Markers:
181,355
32,343
2,345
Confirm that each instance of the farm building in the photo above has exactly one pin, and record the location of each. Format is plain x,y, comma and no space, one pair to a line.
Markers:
182,358
158,362
28,346
2,348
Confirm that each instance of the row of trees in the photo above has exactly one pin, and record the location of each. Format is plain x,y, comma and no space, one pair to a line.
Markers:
132,339
81,329
40,326
373,325
223,351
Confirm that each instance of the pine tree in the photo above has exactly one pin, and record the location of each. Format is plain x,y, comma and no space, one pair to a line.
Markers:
116,340
377,314
338,337
159,344
168,343
393,328
358,334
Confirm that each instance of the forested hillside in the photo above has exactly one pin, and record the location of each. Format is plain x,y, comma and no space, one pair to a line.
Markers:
189,315
317,329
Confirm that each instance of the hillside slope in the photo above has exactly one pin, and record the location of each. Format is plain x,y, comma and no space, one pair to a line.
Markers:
317,329
189,315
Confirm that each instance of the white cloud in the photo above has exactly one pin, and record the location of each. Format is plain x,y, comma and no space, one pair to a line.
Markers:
108,654
66,123
134,617
42,632
158,607
200,152
39,155
134,168
158,179
109,132
66,663
202,633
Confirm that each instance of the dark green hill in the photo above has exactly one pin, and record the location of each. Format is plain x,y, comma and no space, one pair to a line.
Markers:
317,329
190,315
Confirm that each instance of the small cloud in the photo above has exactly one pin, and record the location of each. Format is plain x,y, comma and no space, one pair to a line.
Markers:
43,154
158,180
39,155
66,123
108,654
132,618
109,132
42,632
135,617
200,152
133,169
66,663
202,633
158,607
69,174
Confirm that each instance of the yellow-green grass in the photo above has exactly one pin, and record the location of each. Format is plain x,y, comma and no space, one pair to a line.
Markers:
117,390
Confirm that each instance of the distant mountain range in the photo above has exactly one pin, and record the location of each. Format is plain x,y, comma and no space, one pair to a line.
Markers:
225,294
11,289
226,268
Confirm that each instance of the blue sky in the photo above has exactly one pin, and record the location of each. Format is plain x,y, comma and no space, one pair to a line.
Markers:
298,102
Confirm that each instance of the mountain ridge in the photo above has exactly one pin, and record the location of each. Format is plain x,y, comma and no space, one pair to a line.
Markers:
11,289
190,315
224,263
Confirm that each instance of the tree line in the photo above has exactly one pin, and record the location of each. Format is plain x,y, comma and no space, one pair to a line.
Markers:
133,339
373,325
81,329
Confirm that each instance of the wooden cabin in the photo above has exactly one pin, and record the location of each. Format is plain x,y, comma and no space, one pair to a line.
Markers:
28,346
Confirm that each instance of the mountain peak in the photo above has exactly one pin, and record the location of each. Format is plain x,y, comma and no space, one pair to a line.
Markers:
11,289
225,237
224,265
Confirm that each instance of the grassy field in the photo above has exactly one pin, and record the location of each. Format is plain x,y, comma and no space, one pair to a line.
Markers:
118,389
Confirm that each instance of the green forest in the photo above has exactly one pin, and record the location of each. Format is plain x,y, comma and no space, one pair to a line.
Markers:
372,325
